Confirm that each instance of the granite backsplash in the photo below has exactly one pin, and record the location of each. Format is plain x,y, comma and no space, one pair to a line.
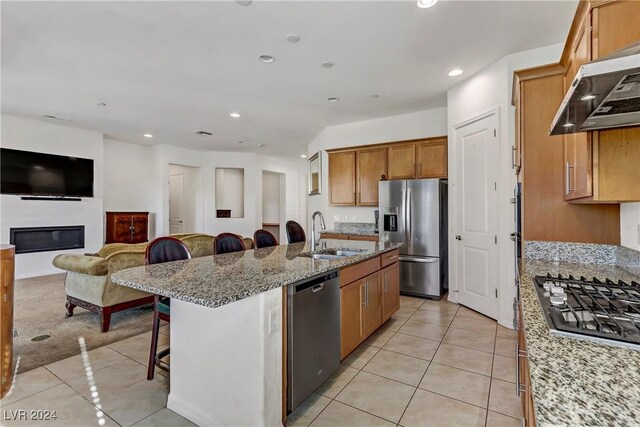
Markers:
354,227
586,253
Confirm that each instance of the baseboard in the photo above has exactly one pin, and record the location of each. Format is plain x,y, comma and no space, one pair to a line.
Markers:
30,275
190,412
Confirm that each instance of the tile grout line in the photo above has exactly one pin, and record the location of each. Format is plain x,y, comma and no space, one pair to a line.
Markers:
486,417
425,372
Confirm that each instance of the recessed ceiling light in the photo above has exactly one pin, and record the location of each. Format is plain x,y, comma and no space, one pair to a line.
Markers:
235,115
148,135
260,145
304,156
327,64
588,98
267,59
455,72
568,125
333,99
425,4
244,2
293,38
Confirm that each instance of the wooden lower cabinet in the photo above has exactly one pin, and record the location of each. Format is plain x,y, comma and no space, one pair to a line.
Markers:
390,290
7,267
372,307
366,293
349,237
524,379
351,302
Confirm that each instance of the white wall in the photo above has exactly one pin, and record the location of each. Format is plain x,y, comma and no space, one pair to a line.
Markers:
630,225
270,197
30,135
421,124
230,190
487,90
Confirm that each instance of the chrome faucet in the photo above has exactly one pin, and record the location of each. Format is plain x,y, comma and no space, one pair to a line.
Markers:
313,228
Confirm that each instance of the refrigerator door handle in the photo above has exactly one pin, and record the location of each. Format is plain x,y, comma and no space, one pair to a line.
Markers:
420,260
407,213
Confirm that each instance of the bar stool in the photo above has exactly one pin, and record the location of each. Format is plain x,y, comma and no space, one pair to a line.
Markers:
228,242
162,249
264,239
295,233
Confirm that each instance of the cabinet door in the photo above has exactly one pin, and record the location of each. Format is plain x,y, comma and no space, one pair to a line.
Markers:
139,223
432,158
372,312
351,306
342,178
390,291
401,161
371,165
615,25
578,147
122,229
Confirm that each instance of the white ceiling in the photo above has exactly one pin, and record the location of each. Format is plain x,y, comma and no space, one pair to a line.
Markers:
170,68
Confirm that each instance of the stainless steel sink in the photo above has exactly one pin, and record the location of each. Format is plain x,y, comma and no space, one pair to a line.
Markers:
331,253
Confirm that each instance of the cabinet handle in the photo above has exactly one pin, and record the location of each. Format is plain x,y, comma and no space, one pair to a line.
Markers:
363,294
567,178
366,294
385,282
520,388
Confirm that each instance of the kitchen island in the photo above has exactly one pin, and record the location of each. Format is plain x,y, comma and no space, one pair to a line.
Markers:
226,329
577,381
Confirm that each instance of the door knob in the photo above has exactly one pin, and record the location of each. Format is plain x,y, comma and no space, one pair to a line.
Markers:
458,237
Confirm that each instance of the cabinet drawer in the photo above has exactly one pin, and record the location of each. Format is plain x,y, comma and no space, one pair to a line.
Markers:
364,238
389,258
362,269
334,236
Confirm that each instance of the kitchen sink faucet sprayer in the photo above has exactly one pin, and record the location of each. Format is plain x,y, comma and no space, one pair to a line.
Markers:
313,228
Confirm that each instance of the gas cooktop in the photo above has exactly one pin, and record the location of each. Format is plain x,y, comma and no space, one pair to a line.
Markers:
604,311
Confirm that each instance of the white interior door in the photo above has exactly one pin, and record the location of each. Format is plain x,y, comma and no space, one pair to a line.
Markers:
176,195
477,152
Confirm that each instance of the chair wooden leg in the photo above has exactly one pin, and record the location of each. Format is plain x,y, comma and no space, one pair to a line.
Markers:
69,306
154,345
106,319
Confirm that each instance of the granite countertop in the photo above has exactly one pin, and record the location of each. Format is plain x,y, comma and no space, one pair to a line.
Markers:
577,382
214,281
351,232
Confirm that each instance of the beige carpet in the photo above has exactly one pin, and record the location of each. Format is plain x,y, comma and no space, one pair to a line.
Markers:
39,310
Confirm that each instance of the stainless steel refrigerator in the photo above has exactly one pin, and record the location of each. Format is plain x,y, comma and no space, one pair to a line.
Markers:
414,212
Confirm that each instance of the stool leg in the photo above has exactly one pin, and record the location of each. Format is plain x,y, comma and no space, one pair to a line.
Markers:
154,344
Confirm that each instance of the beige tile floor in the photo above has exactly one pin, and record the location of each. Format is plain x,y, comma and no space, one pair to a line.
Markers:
433,364
106,386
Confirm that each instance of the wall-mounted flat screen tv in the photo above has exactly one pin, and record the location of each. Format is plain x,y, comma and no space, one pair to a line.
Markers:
37,174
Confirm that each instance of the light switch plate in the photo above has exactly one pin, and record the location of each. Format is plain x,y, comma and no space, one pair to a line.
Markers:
274,320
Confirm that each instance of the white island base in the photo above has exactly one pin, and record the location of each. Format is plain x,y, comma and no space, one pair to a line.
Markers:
226,362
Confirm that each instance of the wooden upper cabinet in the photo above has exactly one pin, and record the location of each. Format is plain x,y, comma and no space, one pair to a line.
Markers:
432,158
342,178
401,161
615,25
354,172
371,164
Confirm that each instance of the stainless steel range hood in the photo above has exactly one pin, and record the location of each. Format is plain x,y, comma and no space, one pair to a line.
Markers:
604,94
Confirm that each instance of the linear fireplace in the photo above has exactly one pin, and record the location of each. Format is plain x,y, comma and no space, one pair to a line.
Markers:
43,239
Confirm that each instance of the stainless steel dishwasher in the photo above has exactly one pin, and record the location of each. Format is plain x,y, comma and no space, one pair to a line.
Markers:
313,346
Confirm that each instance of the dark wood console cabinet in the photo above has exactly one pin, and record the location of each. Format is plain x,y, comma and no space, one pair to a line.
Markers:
127,227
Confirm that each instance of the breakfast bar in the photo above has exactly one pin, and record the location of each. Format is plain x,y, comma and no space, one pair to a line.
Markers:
226,325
